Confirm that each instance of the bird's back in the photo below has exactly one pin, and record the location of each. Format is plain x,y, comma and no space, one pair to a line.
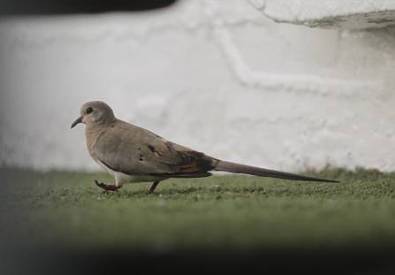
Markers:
134,150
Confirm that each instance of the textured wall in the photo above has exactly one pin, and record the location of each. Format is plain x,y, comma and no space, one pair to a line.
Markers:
346,14
217,77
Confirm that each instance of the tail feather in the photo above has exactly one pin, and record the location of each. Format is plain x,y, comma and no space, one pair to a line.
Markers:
227,166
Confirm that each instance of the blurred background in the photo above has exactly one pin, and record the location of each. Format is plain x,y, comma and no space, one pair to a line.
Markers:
284,84
220,77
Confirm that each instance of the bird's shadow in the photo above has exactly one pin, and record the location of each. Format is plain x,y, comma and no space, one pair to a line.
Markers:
163,192
169,192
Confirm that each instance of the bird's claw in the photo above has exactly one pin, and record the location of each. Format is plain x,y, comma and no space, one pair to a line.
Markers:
106,187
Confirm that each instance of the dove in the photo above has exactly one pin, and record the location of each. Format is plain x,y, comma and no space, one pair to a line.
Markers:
133,154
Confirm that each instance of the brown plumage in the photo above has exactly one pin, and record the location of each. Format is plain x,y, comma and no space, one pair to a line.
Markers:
133,154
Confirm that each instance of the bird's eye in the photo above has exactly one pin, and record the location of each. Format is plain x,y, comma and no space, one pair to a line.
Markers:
89,110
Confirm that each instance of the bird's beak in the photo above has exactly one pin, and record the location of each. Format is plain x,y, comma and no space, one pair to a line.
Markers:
77,121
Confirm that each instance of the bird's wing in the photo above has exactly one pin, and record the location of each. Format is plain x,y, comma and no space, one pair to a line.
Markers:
133,150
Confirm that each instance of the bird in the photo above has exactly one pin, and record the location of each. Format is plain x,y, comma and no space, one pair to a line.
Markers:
133,154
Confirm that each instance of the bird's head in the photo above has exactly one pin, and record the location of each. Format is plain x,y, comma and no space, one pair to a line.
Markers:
95,113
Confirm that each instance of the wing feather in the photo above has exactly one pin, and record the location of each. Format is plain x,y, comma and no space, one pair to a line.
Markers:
135,151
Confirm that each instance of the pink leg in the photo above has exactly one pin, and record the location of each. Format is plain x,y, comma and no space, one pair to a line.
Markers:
107,187
153,186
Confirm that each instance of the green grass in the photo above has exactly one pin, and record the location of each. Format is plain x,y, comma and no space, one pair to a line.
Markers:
239,212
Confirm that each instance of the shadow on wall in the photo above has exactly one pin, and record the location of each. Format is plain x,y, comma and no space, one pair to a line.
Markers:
20,7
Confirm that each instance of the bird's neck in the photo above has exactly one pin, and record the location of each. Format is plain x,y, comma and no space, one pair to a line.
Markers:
94,132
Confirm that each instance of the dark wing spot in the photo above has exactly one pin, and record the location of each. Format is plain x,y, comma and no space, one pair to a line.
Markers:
153,150
141,157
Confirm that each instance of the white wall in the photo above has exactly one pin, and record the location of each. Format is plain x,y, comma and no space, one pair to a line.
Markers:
217,77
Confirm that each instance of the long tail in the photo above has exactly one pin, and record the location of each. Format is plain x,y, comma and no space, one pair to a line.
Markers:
227,166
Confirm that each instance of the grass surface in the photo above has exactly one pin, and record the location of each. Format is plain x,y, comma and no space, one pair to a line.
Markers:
239,212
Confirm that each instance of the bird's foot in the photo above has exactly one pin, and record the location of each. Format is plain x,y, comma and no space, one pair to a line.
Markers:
107,187
153,187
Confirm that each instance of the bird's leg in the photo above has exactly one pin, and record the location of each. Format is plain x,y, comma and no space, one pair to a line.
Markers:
107,187
153,186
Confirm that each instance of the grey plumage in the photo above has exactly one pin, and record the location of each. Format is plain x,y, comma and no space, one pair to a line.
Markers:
131,153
